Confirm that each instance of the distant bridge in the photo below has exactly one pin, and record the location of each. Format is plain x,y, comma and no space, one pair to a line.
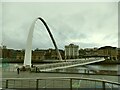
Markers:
66,64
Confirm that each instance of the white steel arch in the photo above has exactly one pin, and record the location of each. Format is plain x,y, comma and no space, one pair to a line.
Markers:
27,58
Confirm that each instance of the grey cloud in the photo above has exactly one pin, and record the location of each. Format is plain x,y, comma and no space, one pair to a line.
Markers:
88,45
83,23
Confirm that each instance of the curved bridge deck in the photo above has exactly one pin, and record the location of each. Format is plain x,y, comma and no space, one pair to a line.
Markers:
66,64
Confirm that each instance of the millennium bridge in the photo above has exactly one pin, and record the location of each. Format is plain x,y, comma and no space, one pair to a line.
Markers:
66,64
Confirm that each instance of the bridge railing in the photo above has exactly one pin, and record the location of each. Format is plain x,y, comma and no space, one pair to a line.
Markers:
60,82
65,64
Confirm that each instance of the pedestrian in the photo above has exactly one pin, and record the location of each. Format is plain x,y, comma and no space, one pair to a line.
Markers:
32,65
18,70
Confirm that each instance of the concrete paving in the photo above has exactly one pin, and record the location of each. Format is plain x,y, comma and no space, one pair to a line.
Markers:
52,83
9,74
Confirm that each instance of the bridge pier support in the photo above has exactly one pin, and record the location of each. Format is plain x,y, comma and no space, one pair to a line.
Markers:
85,71
88,71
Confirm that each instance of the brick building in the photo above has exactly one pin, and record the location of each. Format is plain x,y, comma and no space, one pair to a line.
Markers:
108,51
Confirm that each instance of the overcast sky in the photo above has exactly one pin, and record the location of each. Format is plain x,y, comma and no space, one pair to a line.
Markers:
87,24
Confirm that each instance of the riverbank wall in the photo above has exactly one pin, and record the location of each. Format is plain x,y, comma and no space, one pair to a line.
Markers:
53,61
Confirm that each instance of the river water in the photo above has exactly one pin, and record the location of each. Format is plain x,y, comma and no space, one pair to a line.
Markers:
81,69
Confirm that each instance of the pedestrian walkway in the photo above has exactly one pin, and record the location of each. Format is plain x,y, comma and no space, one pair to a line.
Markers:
28,74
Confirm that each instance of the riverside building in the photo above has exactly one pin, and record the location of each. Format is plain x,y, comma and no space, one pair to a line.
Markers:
71,51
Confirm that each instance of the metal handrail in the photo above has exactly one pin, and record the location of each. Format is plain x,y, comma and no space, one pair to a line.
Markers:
75,78
62,78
